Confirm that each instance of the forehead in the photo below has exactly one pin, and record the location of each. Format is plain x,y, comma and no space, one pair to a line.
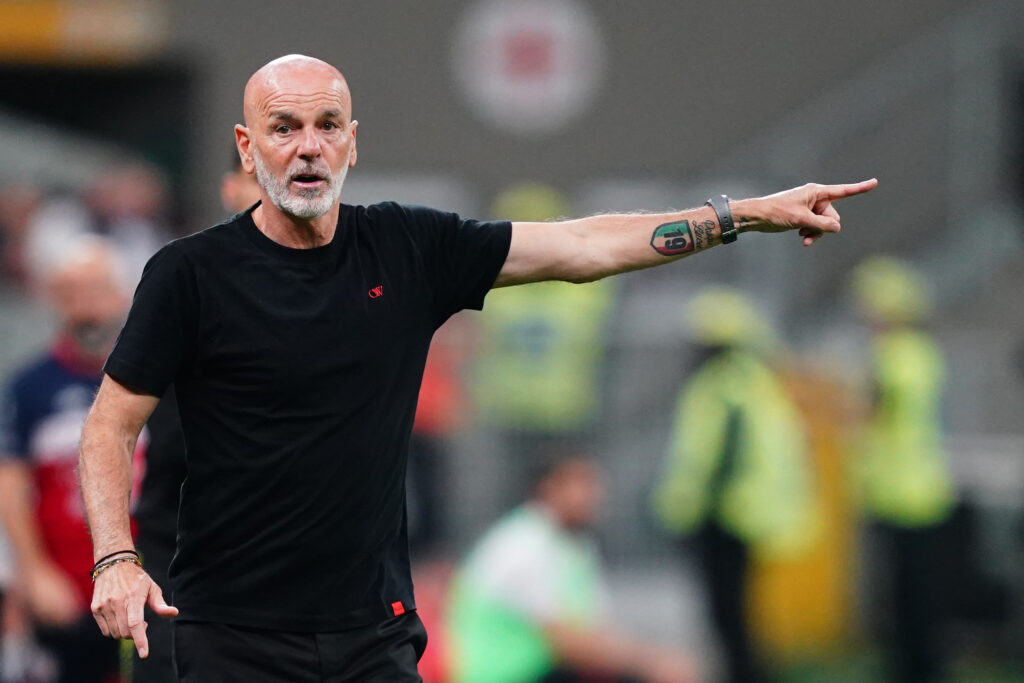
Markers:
84,272
578,470
303,92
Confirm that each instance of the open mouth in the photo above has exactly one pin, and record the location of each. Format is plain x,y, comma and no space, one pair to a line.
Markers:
308,179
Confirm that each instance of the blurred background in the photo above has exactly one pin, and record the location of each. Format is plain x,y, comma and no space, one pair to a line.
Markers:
116,118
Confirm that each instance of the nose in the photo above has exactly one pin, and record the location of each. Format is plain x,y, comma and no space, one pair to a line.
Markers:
309,144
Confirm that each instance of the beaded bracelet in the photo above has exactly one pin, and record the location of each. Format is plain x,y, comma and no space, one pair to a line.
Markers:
114,554
107,565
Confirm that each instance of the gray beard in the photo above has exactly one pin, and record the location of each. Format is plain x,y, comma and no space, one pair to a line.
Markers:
306,204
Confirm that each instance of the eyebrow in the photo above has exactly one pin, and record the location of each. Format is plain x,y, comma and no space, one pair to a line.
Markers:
287,115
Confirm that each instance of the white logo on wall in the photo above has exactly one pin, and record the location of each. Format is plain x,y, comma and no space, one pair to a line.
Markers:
529,66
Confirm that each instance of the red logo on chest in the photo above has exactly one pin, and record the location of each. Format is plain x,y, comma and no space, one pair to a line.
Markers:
376,292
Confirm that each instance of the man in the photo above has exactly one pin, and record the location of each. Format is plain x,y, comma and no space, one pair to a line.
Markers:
295,335
42,411
738,474
529,604
905,485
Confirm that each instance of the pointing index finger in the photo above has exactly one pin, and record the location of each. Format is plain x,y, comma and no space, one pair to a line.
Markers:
141,642
848,190
137,624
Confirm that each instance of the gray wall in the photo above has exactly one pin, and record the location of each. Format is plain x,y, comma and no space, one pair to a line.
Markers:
686,81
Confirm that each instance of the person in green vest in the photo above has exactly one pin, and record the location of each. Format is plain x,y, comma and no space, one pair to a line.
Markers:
529,603
903,480
737,477
537,378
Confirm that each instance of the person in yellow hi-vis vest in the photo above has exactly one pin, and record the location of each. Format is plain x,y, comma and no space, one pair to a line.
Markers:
904,483
537,379
738,474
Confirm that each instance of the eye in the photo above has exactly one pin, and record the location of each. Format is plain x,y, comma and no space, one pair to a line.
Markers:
330,125
283,129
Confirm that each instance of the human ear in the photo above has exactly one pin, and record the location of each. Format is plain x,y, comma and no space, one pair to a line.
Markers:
352,153
243,140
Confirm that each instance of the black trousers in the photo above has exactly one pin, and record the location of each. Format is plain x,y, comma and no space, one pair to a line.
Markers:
386,653
917,589
725,562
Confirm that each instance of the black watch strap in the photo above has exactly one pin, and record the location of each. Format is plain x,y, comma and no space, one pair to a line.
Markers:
720,203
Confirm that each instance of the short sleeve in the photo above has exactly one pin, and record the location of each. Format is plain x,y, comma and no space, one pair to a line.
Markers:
158,340
14,427
463,256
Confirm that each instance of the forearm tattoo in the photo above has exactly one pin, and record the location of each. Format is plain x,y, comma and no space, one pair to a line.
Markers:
703,232
672,239
682,237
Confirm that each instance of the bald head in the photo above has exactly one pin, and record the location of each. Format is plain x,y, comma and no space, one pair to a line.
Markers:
290,74
86,287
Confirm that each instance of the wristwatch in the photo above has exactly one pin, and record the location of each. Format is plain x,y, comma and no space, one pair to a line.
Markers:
720,204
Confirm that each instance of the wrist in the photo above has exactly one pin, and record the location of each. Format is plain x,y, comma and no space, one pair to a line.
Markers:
721,205
114,559
109,550
126,552
747,214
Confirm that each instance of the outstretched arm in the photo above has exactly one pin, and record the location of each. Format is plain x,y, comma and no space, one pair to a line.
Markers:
108,440
588,249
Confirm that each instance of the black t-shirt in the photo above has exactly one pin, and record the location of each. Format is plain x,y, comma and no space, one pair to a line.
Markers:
297,373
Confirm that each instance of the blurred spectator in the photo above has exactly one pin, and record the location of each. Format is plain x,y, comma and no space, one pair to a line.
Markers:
43,408
17,205
529,603
738,474
125,204
24,321
433,582
20,317
238,189
904,481
440,411
537,378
